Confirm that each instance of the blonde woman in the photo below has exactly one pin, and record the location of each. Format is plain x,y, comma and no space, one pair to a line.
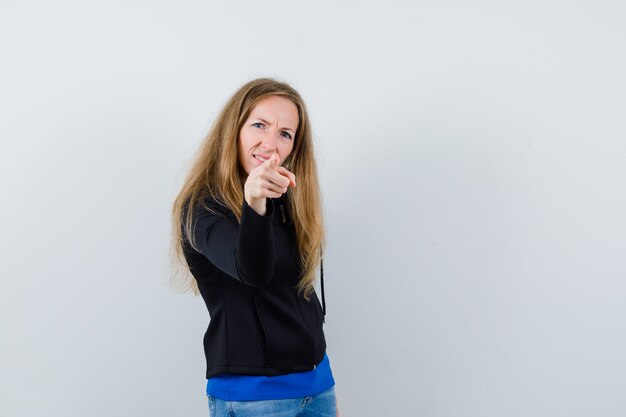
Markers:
249,235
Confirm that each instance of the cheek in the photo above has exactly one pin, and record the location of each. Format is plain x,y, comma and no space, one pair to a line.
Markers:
246,140
287,149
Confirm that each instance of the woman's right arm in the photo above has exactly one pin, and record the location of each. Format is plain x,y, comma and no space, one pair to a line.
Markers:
245,251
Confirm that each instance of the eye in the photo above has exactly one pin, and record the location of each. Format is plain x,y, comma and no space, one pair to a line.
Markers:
288,135
258,123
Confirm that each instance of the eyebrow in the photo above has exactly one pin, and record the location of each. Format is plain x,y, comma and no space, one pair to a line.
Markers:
267,123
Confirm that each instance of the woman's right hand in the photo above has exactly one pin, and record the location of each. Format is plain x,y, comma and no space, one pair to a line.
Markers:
268,180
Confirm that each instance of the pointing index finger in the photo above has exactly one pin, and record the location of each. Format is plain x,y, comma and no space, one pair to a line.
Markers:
274,160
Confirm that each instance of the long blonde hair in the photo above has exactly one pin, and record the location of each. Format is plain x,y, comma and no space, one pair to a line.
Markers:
215,172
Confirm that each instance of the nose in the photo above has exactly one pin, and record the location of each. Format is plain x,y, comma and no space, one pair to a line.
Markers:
269,142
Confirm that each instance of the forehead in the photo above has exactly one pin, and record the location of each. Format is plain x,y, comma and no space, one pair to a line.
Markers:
277,109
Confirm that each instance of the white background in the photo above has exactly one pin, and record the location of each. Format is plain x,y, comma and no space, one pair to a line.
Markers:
473,164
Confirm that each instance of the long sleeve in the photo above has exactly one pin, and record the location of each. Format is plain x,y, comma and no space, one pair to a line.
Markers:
245,251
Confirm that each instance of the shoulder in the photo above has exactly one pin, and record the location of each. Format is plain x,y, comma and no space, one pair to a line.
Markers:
206,212
209,206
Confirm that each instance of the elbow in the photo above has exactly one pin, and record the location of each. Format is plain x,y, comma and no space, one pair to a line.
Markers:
257,277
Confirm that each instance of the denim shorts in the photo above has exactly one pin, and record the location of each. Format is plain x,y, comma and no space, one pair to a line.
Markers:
320,405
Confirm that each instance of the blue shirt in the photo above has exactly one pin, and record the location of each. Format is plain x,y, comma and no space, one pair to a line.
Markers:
231,387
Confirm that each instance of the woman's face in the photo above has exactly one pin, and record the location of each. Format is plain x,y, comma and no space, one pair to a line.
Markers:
270,129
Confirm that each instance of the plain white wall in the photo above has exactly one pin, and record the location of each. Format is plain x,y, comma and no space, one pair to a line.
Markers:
473,164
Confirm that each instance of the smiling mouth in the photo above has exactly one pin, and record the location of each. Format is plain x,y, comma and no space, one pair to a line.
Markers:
260,158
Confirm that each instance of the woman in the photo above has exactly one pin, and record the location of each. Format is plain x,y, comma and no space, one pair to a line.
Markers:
247,227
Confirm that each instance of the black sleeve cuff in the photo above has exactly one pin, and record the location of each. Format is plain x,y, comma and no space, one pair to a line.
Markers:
255,245
249,211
